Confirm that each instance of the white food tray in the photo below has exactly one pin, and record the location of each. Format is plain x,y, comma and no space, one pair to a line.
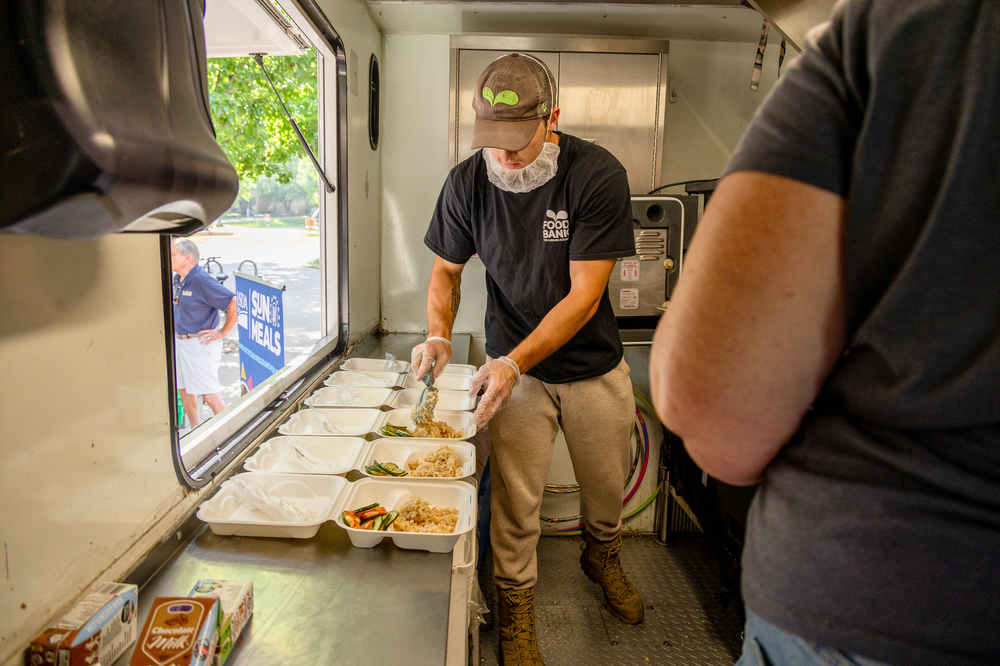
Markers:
401,450
371,364
331,396
448,401
349,378
461,421
392,493
226,514
350,421
445,382
349,453
346,453
458,369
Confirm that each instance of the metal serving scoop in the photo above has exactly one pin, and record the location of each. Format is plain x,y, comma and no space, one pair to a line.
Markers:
423,413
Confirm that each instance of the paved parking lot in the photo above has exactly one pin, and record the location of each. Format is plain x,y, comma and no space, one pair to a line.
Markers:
283,256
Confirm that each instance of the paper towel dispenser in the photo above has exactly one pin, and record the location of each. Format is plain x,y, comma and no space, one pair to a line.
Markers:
104,122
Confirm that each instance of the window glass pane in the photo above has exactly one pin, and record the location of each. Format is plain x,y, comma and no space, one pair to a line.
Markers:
272,232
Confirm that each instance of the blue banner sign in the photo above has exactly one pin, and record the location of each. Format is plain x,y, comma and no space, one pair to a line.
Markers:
261,325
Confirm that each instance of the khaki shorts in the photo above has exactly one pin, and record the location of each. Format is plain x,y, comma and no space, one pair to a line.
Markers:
198,365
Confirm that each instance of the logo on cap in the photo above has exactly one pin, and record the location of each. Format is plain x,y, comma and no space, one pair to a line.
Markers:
508,97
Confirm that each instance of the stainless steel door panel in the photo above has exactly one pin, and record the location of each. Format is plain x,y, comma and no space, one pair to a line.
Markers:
612,98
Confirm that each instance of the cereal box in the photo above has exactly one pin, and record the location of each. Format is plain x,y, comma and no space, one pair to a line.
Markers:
96,631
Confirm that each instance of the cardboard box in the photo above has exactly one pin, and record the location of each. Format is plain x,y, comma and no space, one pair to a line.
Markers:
236,607
96,631
179,631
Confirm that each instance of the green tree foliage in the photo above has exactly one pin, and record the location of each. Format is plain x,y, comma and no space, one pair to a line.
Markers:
304,185
249,121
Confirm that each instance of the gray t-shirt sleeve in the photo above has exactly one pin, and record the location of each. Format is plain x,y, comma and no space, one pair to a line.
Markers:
808,126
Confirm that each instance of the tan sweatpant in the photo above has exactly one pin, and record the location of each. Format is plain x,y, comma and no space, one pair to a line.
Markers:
596,415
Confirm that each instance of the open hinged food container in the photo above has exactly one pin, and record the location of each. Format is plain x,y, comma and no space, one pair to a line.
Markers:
445,382
348,421
391,494
403,450
461,421
367,379
458,369
227,515
448,401
372,365
348,396
339,455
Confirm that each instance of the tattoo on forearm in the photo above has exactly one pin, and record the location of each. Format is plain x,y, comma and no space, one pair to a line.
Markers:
455,299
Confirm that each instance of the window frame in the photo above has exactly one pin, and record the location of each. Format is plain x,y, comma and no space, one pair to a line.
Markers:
200,455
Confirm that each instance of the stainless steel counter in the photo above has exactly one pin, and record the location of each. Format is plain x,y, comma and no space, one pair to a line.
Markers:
323,601
320,600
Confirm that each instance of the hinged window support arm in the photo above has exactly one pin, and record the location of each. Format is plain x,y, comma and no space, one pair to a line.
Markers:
259,58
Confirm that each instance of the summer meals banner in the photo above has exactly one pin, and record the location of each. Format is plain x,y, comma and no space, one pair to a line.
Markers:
260,322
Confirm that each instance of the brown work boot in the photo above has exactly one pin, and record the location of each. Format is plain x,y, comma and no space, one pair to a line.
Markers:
518,644
601,564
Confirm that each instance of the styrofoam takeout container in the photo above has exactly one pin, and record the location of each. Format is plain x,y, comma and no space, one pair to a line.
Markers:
348,378
445,382
350,421
402,450
392,493
226,514
448,401
458,369
330,396
371,364
461,421
346,453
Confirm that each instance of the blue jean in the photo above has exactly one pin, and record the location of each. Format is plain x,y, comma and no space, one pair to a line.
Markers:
768,645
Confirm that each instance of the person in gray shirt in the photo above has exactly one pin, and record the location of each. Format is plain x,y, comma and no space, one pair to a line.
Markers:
836,337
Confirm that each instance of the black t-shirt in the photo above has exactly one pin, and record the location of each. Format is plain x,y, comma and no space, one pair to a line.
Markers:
526,242
877,528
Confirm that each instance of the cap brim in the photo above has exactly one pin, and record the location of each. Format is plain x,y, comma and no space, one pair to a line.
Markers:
512,135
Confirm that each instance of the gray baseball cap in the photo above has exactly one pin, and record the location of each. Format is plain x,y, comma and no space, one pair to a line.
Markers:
512,94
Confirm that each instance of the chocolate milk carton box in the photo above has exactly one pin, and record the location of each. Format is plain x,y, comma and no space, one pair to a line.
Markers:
236,607
179,632
96,631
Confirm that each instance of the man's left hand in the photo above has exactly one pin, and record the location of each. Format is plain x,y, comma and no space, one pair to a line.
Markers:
500,376
209,335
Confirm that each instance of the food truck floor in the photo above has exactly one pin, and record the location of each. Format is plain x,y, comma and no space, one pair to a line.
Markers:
320,600
684,622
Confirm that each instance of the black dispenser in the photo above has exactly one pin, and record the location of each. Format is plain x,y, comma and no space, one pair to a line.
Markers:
104,119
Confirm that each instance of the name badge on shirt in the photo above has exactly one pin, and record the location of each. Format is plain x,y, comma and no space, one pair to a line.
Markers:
185,293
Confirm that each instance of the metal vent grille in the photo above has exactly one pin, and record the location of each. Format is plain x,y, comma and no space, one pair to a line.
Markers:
651,243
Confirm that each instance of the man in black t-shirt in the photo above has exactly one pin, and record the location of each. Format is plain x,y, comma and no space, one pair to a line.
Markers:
836,335
548,214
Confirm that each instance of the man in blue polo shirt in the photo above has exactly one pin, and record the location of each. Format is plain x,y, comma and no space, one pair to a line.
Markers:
198,297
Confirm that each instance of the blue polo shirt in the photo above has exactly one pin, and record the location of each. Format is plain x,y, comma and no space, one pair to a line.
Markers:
197,301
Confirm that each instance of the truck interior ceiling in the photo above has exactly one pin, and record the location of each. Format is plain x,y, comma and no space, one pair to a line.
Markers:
213,266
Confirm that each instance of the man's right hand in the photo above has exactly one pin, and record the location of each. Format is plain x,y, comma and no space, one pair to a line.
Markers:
433,355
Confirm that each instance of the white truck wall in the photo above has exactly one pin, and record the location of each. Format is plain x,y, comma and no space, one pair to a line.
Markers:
714,105
87,486
361,35
85,440
416,164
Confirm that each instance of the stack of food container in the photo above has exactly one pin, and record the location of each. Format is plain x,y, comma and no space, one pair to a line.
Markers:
408,488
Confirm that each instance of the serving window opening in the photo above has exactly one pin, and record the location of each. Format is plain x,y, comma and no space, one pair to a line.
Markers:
251,300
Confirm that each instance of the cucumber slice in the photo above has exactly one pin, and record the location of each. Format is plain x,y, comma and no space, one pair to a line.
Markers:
365,508
388,520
